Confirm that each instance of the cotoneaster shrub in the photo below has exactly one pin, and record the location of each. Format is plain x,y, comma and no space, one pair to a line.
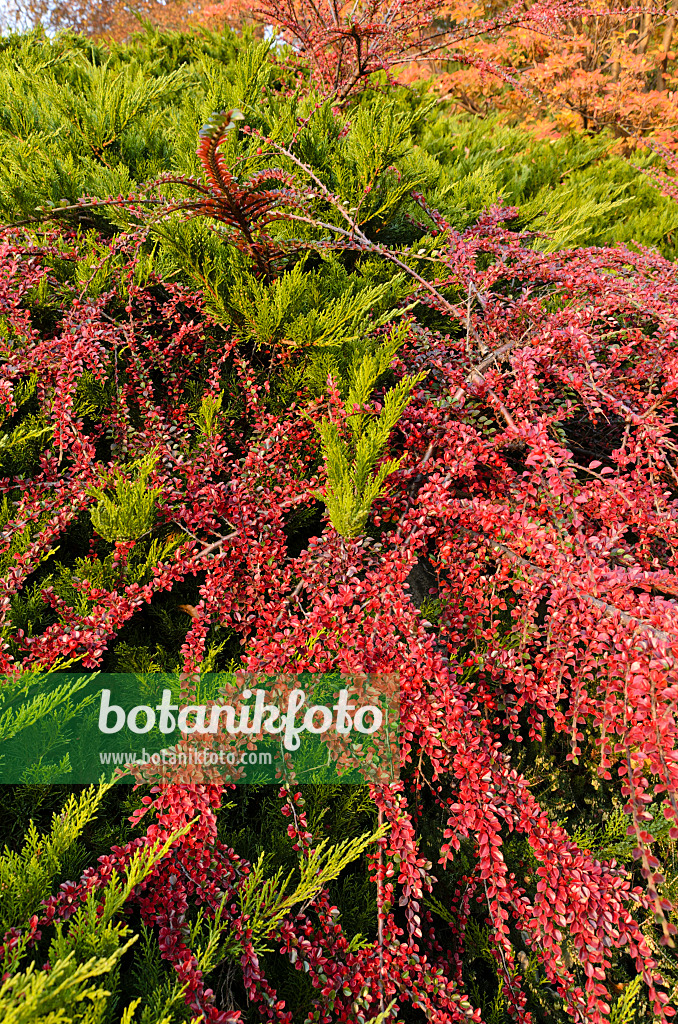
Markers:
171,358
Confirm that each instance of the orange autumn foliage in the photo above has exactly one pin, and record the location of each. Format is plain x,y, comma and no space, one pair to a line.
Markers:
616,71
116,19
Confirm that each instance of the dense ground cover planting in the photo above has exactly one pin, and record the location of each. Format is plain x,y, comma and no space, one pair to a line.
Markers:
297,386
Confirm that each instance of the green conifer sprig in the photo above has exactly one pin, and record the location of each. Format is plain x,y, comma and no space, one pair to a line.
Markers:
267,901
90,945
26,875
130,514
353,479
624,1010
70,993
21,708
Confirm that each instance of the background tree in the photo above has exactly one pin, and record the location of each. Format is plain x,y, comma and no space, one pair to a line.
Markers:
111,19
615,68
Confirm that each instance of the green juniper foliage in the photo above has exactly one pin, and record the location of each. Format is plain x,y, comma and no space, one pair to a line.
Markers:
85,954
353,481
129,515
